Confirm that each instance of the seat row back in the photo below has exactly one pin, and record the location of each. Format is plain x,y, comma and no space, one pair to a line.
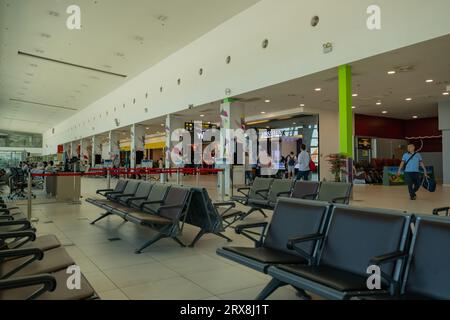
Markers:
162,207
327,249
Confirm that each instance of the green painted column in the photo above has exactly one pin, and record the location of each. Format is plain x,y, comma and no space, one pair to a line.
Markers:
345,111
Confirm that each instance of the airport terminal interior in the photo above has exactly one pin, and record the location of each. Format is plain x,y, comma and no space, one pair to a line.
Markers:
224,150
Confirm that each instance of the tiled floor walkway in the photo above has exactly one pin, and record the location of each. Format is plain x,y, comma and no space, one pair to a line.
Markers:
167,271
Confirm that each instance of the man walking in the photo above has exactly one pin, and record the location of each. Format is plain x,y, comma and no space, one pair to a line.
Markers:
303,164
411,162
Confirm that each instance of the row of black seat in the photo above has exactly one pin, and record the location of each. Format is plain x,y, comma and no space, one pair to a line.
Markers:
34,267
264,192
326,249
164,208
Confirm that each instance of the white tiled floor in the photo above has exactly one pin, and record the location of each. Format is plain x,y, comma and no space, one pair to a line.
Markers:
167,271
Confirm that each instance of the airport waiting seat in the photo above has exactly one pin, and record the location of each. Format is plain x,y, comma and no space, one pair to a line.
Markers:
259,184
426,275
129,191
155,198
445,211
290,218
32,261
141,193
356,238
27,240
120,187
278,188
303,188
167,220
51,286
333,192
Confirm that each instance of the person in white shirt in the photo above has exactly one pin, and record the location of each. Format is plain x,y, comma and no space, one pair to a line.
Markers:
303,164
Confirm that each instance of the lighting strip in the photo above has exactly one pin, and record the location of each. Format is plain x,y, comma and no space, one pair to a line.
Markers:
21,53
42,104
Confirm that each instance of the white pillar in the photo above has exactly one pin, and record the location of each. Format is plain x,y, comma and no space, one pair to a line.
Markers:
84,150
72,151
114,148
231,117
172,123
137,142
444,125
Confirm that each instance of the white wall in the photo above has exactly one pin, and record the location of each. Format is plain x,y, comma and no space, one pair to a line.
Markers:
295,50
434,159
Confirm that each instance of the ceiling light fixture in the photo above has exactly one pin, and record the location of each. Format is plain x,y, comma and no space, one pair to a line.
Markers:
384,112
302,104
392,72
354,95
429,81
378,103
318,89
445,93
415,117
353,107
408,99
267,101
263,112
202,115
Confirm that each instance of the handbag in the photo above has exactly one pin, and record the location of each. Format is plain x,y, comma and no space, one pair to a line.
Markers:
429,184
312,166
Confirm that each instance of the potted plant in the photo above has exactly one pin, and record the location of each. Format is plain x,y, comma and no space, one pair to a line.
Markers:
337,163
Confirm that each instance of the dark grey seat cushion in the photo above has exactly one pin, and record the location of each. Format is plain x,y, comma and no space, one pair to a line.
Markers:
267,255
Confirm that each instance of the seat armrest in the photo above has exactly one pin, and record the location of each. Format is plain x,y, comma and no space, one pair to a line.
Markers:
33,254
24,223
437,211
240,229
29,235
279,194
125,195
390,257
171,206
311,196
47,281
6,217
240,190
103,190
135,198
263,193
342,200
311,237
151,202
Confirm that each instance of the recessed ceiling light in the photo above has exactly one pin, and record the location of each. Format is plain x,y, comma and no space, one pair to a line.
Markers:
353,107
445,93
429,81
384,112
302,104
318,89
263,112
354,95
202,115
147,128
162,124
392,72
378,103
294,123
415,117
408,99
267,101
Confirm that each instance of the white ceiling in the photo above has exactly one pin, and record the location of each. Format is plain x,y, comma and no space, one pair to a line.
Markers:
427,60
123,37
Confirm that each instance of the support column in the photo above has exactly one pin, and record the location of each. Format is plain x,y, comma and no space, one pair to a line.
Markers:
345,111
72,151
172,123
231,118
444,125
113,147
84,150
137,142
96,149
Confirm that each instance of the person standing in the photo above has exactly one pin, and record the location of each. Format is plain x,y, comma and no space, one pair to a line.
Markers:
411,161
303,164
290,160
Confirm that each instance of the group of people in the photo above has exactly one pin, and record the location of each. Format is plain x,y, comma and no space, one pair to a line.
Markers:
302,162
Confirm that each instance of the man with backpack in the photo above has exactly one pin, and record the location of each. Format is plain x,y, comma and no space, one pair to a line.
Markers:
411,161
290,160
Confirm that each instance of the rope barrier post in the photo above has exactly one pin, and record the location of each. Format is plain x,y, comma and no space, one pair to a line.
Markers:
161,177
29,197
222,185
178,176
108,176
197,174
